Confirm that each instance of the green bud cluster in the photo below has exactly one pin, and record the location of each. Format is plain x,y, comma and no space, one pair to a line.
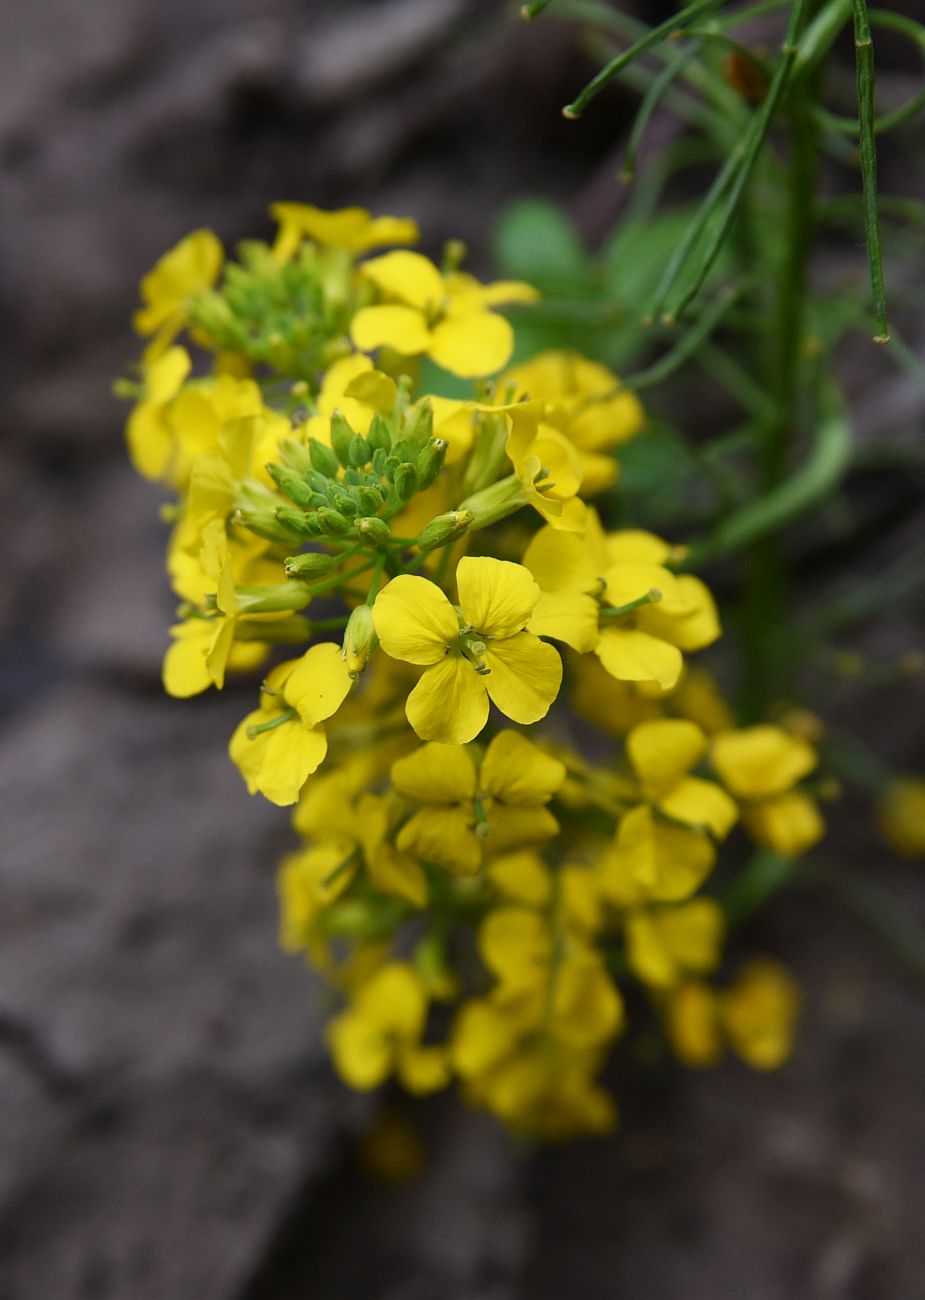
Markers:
283,317
351,489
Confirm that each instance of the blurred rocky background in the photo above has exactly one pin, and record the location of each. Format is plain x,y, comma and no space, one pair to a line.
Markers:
169,1129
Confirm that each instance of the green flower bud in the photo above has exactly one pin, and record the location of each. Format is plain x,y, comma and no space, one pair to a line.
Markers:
311,564
296,456
344,502
294,486
406,481
359,451
266,524
359,640
380,461
421,425
318,482
379,435
444,528
374,529
341,437
430,462
370,499
333,523
324,459
297,521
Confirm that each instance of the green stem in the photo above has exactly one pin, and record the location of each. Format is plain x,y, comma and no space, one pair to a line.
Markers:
867,149
616,66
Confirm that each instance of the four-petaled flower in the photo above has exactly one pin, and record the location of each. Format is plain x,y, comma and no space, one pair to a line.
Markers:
473,653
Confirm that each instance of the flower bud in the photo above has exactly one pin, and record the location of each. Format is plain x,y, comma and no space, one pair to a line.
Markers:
344,502
311,564
370,499
333,522
405,480
324,459
297,521
268,525
444,528
430,462
294,486
359,451
379,436
359,640
341,438
374,529
296,456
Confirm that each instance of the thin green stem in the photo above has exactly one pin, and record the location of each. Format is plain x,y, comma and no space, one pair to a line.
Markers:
613,69
867,150
650,102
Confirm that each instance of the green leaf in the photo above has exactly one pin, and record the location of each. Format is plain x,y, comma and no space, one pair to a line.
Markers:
536,241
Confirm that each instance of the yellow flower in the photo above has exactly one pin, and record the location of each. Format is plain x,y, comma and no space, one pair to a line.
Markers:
654,859
761,766
350,385
149,432
901,814
380,1034
477,652
279,745
352,228
335,812
585,404
614,596
446,317
662,753
185,270
548,468
664,944
469,811
756,1017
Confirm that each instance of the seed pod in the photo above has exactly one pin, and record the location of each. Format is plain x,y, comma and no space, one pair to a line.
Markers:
294,486
323,458
406,481
341,438
430,462
297,521
444,528
379,435
311,564
374,529
333,523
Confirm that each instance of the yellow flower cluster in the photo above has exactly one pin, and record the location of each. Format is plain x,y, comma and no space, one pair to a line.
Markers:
479,896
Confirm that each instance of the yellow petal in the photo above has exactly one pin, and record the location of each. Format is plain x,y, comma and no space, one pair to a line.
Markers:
442,774
185,672
473,345
691,627
495,596
524,677
423,1070
636,546
760,1013
567,616
522,876
561,563
398,874
761,761
663,751
694,1026
443,836
668,862
394,999
701,804
408,277
510,828
517,772
191,265
482,1036
789,824
449,703
587,1009
627,582
401,328
280,761
901,816
516,945
634,656
318,684
361,1052
693,933
414,620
